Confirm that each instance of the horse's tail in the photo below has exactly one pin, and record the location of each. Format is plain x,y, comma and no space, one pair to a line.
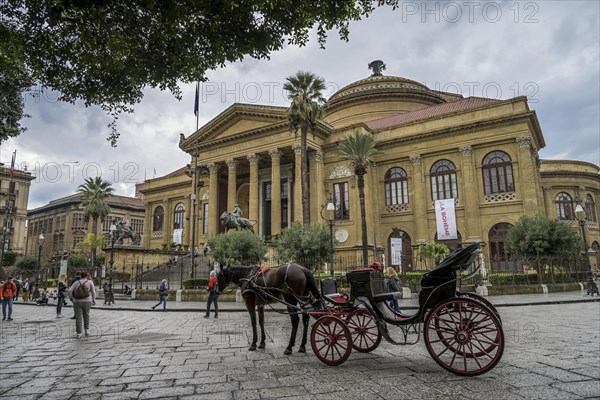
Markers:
311,284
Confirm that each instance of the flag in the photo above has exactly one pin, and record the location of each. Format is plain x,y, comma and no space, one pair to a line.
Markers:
197,99
12,163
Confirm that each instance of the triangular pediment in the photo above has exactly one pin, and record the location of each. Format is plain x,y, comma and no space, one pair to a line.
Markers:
237,120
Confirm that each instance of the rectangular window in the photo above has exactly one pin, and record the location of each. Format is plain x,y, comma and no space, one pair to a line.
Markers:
342,203
137,225
78,221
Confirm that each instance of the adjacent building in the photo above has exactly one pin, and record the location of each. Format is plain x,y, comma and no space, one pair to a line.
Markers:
63,223
14,195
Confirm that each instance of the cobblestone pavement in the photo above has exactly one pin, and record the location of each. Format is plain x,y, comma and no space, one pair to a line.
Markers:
552,352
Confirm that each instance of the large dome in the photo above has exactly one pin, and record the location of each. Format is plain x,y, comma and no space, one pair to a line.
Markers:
379,96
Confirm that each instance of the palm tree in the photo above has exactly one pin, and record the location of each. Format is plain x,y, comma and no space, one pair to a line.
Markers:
95,192
305,91
360,150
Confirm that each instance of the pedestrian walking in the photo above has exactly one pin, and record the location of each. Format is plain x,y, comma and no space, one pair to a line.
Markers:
62,294
83,296
7,294
25,290
77,277
393,285
213,295
163,294
18,284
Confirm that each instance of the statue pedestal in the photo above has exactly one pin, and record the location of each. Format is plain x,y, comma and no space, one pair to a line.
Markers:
178,295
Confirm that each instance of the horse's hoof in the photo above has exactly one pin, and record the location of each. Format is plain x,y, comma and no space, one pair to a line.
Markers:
261,346
252,348
287,352
302,349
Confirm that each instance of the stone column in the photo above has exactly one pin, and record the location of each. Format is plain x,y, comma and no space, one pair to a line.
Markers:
275,191
213,199
168,222
470,199
231,183
297,182
419,198
528,171
549,202
318,194
253,207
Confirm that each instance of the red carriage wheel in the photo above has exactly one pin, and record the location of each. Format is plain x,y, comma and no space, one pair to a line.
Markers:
365,334
464,336
483,301
331,340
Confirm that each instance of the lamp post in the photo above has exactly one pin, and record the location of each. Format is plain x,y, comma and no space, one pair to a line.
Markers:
36,290
581,217
4,232
330,206
110,296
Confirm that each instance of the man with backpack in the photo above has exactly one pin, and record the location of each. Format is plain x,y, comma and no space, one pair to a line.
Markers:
83,296
7,294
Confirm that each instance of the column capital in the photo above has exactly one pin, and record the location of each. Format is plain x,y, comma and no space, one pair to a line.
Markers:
547,188
523,141
253,158
318,155
275,154
213,167
297,148
466,151
231,163
415,159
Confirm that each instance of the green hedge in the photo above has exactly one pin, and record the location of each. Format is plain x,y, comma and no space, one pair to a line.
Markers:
196,283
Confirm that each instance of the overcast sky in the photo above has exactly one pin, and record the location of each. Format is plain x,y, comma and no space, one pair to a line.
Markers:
546,50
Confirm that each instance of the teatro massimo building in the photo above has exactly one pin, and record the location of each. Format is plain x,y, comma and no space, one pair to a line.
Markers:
481,154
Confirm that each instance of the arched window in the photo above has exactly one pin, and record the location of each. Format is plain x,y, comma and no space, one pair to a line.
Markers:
443,180
396,187
403,261
178,216
499,260
590,208
564,206
497,173
157,219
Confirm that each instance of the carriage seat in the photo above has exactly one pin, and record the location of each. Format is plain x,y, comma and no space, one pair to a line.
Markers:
337,298
386,296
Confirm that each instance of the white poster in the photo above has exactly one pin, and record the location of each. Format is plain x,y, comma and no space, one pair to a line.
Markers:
396,251
445,219
177,233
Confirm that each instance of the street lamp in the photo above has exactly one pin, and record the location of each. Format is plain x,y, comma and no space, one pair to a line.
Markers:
36,291
581,217
4,232
330,206
110,296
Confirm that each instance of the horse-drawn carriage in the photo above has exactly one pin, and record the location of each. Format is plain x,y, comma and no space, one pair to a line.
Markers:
462,332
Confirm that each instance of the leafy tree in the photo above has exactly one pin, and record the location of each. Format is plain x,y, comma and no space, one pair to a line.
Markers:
9,258
237,247
307,245
106,52
26,262
95,192
360,150
540,235
432,253
305,90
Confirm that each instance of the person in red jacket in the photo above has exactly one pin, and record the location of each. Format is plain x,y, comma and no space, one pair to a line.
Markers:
213,296
7,295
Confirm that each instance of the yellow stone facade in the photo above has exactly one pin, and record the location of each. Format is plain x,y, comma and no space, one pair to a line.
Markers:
14,196
250,157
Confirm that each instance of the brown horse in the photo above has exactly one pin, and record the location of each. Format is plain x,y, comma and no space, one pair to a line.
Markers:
289,284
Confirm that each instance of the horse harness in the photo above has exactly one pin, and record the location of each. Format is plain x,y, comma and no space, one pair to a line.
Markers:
264,292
